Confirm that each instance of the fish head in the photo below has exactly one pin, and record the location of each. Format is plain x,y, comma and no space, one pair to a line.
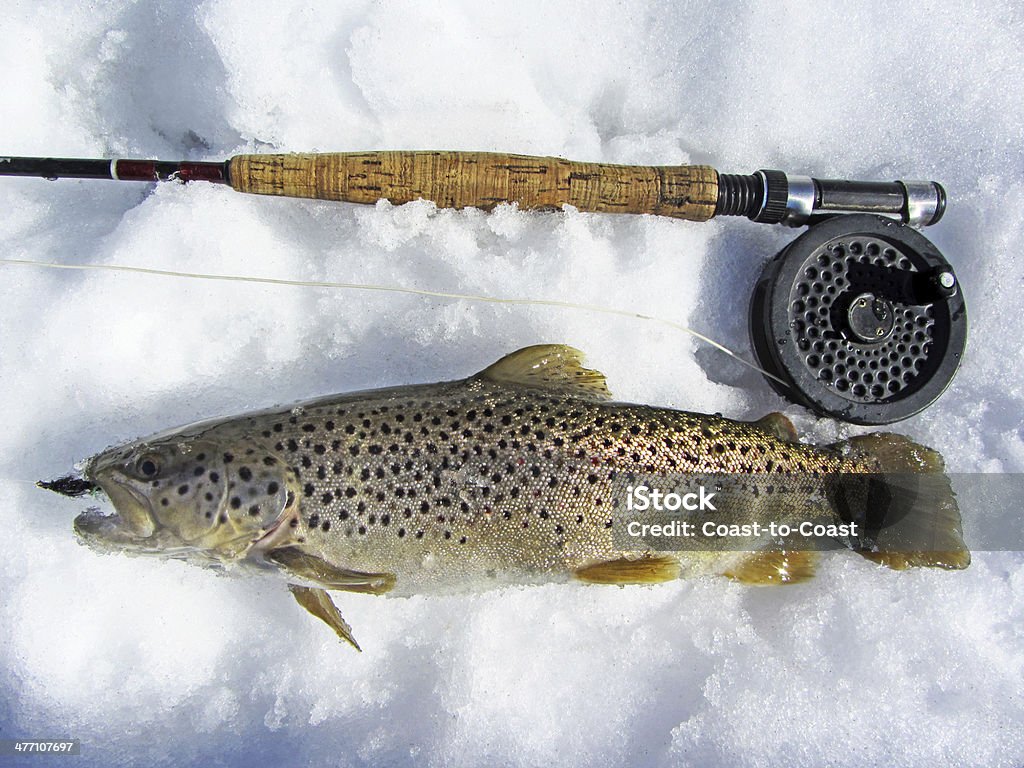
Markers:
188,497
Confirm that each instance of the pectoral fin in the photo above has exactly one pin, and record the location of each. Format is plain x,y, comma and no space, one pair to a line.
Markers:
778,567
643,570
317,570
319,603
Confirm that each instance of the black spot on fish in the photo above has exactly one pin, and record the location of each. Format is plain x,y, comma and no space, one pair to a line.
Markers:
254,510
245,473
182,490
236,502
272,488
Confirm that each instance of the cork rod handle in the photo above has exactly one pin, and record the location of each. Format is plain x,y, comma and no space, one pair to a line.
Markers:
481,180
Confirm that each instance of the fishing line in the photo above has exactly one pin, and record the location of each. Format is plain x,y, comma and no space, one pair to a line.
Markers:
396,289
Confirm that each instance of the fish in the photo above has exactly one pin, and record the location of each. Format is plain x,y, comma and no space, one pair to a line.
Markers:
514,475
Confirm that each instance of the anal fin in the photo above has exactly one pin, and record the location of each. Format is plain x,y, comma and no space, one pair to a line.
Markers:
776,567
644,570
319,603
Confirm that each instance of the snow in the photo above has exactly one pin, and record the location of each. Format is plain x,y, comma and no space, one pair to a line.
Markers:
151,662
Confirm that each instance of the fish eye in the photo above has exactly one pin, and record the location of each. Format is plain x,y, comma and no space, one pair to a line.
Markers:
148,466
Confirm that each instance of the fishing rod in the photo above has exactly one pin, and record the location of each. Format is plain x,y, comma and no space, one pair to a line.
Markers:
485,179
860,318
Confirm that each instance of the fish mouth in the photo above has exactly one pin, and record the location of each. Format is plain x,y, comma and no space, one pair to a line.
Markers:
129,523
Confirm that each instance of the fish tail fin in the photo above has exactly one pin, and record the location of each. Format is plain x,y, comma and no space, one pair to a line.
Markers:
906,511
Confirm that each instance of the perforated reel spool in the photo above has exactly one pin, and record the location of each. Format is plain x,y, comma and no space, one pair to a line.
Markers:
862,318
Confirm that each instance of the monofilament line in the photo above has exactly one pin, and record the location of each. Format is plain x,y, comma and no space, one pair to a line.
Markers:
394,289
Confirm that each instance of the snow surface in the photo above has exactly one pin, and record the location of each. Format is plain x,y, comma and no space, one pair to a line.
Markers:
149,662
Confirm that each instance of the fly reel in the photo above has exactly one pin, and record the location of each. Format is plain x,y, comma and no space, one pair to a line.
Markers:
862,319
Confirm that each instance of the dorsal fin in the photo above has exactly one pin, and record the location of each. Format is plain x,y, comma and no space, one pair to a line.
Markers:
549,366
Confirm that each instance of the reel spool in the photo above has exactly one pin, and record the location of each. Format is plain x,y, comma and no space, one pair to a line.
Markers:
861,317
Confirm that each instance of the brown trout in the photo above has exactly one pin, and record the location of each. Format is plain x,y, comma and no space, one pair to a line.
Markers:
514,475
